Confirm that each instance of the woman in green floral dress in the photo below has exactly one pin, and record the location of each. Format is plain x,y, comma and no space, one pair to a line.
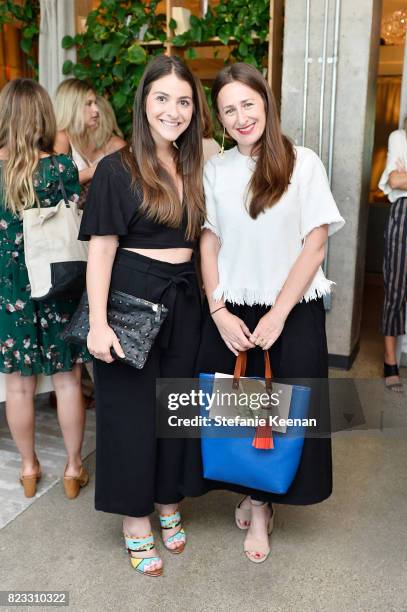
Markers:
29,330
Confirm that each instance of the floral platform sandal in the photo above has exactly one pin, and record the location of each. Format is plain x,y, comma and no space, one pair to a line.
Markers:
172,521
142,545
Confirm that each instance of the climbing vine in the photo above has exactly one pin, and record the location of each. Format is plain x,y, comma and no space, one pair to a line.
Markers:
238,23
121,36
27,15
110,55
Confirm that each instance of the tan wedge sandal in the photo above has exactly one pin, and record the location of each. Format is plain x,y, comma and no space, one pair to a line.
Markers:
73,484
29,482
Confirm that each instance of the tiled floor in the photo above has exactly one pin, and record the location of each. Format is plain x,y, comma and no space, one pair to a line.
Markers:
51,453
347,554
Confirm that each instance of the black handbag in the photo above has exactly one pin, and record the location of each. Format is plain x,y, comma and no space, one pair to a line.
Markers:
136,323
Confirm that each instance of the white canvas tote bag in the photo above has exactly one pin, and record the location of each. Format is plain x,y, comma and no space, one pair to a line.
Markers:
55,258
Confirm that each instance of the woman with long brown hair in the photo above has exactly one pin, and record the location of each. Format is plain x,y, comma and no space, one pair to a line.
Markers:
269,213
30,330
143,215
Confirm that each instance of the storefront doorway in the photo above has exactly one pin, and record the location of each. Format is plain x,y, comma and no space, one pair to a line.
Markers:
388,118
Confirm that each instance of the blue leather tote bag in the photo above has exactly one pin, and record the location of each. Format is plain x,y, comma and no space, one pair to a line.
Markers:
229,457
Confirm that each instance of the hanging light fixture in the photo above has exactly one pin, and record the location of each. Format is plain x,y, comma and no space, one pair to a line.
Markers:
394,26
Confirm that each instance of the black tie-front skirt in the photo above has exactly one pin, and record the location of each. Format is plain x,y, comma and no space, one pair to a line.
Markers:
135,468
299,353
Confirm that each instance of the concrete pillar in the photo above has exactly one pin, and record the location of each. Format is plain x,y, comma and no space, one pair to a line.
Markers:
359,34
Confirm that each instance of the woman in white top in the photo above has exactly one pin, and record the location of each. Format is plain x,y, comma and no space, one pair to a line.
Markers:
393,183
85,131
269,213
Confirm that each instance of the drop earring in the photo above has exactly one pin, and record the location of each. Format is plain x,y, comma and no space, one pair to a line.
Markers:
222,148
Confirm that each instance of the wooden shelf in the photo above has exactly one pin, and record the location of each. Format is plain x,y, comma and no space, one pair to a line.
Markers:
214,41
275,39
151,43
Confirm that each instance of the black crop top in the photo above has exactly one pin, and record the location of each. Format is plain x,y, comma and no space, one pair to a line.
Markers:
113,208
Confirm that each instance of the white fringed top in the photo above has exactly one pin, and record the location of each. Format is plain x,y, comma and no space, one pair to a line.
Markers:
256,255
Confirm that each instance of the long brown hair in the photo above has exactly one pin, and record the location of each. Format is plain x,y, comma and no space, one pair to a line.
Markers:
161,200
274,151
27,128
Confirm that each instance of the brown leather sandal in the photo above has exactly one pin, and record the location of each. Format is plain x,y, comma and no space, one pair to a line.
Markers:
73,484
29,481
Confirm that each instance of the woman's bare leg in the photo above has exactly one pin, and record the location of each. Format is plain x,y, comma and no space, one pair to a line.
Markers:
390,343
20,415
71,415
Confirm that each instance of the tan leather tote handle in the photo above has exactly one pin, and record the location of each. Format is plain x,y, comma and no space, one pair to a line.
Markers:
268,372
240,370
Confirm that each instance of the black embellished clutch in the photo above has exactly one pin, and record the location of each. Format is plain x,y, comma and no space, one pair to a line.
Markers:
136,323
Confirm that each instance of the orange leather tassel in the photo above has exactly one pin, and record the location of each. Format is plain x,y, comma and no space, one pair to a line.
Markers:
263,437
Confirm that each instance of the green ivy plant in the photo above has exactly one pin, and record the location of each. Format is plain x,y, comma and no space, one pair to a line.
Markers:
238,23
112,58
28,15
110,55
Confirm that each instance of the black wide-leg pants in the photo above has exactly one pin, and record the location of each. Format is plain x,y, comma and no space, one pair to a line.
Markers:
134,468
299,353
395,270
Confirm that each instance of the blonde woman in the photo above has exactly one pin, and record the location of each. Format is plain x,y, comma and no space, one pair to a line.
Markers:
108,135
29,330
209,145
87,131
84,133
